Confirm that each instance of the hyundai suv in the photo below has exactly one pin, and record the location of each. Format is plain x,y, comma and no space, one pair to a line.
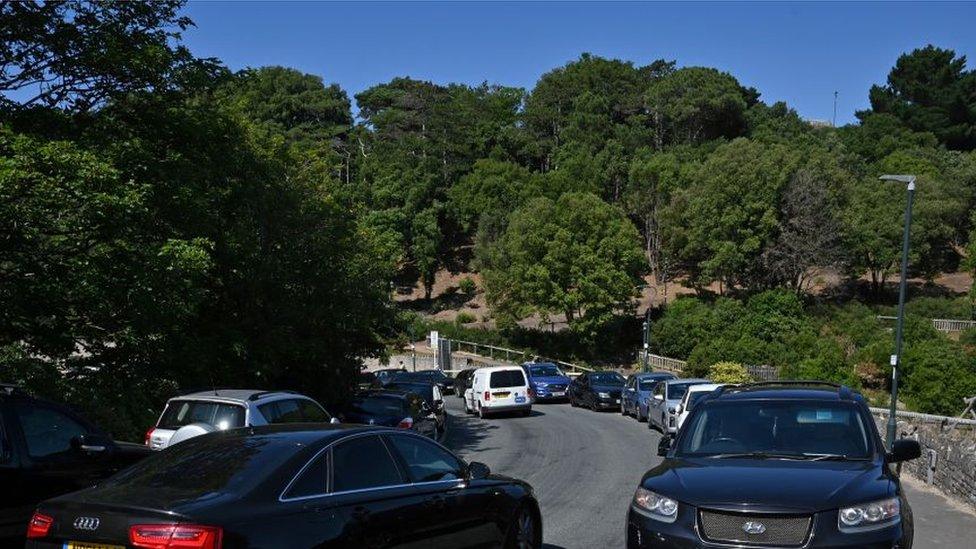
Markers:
790,464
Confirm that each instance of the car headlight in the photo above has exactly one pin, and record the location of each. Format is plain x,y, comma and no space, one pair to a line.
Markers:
655,506
603,395
869,516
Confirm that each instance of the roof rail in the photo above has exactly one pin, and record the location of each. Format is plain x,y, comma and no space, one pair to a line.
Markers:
843,390
262,394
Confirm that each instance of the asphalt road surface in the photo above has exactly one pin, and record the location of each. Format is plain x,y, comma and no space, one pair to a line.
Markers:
585,466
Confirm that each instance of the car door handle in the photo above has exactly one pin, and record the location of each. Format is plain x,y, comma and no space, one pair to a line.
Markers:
360,513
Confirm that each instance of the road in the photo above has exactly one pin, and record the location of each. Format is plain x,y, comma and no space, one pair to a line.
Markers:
585,466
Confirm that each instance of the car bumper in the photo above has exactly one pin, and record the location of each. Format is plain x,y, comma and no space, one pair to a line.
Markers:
541,394
507,408
607,403
647,533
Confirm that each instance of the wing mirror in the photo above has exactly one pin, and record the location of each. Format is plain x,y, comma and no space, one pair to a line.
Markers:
478,470
904,449
679,409
91,444
658,397
665,445
334,421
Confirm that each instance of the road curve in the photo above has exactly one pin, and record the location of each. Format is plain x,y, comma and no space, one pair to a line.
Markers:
585,466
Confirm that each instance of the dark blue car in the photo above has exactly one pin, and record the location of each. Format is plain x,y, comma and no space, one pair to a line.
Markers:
546,380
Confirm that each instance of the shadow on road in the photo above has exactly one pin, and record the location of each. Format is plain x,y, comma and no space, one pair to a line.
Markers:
467,433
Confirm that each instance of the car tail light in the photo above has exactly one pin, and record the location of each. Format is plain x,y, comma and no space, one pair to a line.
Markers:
39,525
531,392
406,423
149,433
175,536
487,395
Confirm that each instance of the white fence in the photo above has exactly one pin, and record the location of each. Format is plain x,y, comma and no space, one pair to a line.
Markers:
942,324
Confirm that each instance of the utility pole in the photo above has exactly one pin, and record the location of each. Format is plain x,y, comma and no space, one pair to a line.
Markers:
909,181
647,339
834,122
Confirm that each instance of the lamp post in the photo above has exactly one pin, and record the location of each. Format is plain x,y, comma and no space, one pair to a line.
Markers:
647,338
909,181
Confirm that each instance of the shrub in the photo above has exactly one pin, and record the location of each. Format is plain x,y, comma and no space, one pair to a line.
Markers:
465,318
968,338
468,286
937,375
686,323
728,372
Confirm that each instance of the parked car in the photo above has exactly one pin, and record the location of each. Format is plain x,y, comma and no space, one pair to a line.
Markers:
597,390
297,486
203,412
498,389
462,381
692,396
46,449
547,381
367,380
775,464
431,393
445,382
391,409
664,401
637,390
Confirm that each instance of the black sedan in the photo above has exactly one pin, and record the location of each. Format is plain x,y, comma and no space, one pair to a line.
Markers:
391,409
47,450
462,381
597,390
296,486
432,395
438,377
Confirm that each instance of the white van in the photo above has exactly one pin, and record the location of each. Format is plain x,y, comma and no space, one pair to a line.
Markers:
498,389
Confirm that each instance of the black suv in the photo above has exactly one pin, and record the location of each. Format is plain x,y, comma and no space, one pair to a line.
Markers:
785,464
47,450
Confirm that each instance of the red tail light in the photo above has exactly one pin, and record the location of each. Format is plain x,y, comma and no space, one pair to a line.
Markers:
149,434
531,392
175,536
487,395
39,526
406,423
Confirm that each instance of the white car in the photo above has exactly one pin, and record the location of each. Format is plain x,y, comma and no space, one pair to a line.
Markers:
693,395
498,389
203,412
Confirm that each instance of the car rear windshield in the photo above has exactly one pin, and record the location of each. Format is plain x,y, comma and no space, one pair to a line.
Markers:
506,378
221,462
184,412
694,397
544,370
379,406
781,428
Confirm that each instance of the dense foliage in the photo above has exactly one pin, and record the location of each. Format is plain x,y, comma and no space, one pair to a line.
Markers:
168,224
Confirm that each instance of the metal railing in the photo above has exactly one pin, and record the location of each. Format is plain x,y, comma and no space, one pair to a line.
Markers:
513,356
665,363
946,325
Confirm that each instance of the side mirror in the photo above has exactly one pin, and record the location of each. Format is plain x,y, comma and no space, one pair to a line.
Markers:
664,445
658,397
334,421
478,470
904,449
679,409
91,444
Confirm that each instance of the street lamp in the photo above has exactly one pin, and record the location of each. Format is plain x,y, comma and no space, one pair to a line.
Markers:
909,181
647,338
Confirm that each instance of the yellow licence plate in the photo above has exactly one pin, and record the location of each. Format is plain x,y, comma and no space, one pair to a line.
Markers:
500,395
86,545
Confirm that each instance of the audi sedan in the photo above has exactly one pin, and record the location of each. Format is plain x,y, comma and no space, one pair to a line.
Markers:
784,465
296,486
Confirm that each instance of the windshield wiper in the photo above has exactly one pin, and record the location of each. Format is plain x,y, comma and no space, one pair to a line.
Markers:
833,457
758,455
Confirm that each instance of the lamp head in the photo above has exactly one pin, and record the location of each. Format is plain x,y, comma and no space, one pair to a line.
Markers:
907,179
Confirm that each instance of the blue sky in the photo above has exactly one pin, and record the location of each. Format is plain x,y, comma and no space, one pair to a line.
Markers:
796,52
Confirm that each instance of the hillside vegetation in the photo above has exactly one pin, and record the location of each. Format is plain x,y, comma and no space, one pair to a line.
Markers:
168,223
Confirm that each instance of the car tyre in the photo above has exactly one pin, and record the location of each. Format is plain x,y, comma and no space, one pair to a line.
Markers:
572,402
524,531
481,412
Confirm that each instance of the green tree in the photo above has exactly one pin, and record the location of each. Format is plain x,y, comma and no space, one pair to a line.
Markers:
697,104
724,220
78,55
930,90
728,372
576,255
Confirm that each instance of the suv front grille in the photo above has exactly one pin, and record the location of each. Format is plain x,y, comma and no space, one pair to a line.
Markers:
778,530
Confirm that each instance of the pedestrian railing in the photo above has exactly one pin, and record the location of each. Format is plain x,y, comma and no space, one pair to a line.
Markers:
946,325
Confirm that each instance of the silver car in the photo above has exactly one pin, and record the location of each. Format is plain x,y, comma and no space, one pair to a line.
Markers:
203,412
661,407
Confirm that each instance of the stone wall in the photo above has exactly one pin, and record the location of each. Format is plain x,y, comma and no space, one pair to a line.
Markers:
948,461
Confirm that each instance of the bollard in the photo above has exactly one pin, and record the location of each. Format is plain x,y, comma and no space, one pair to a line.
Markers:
930,470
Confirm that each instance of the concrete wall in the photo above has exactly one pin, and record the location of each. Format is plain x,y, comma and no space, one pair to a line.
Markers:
948,461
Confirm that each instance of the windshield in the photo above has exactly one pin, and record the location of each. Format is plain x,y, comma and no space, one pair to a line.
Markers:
378,406
544,370
694,397
507,378
607,378
647,384
184,412
677,392
794,428
425,390
431,374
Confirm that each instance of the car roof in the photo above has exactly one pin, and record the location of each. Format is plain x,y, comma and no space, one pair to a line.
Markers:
788,390
685,381
703,387
381,393
653,375
501,368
